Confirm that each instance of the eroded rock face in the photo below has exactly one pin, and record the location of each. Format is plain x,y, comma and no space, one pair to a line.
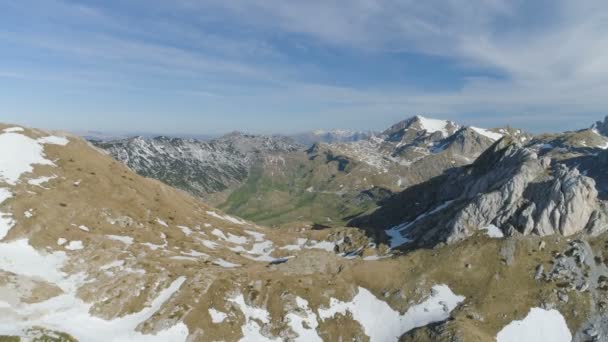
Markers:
565,206
602,126
508,186
497,192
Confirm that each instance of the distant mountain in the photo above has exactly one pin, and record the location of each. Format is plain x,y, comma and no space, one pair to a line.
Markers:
331,136
274,180
199,167
105,136
544,185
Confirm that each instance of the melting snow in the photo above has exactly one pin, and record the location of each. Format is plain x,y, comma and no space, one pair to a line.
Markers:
181,257
41,180
207,243
217,316
226,218
19,153
53,140
304,323
324,245
117,263
262,251
187,231
539,325
6,220
298,246
61,241
223,263
396,233
29,213
493,231
237,240
381,323
162,223
196,254
67,312
488,134
312,244
251,328
74,245
256,235
84,228
21,258
127,240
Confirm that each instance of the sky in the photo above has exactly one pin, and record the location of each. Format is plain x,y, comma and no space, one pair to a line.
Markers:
287,66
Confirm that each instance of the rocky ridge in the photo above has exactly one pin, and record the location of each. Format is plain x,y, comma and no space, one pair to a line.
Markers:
509,187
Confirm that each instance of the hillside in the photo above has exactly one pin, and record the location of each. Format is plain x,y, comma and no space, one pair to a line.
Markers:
90,251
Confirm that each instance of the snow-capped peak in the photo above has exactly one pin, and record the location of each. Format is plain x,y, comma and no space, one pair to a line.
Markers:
434,125
487,133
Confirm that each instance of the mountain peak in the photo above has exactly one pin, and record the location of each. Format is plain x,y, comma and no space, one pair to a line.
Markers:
421,123
601,126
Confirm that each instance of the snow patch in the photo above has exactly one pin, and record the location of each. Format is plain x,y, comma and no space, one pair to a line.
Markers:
539,325
41,180
187,231
54,140
12,130
493,231
207,243
127,240
161,222
217,316
381,323
19,257
223,263
488,134
235,239
396,233
304,322
6,220
226,218
117,263
434,125
29,213
74,245
256,235
251,329
67,312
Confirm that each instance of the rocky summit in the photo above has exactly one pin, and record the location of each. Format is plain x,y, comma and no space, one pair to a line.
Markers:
428,231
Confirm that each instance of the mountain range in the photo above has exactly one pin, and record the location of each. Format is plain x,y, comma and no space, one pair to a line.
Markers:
275,180
426,231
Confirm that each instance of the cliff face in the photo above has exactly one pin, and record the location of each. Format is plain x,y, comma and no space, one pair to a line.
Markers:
510,187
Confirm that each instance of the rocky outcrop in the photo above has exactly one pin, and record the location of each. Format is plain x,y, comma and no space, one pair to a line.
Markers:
602,126
510,187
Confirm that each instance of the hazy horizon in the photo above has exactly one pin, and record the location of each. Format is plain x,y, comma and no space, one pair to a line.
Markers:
211,67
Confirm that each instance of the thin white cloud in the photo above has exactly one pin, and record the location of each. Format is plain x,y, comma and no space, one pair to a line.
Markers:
551,60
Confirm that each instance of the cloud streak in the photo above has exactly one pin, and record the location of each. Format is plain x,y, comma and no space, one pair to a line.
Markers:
515,59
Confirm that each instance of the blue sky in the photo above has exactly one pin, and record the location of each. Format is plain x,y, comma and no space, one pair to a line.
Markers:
213,66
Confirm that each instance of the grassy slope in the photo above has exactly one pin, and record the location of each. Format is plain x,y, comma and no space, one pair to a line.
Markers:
274,195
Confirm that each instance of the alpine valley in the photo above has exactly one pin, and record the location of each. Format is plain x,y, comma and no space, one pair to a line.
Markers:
426,231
